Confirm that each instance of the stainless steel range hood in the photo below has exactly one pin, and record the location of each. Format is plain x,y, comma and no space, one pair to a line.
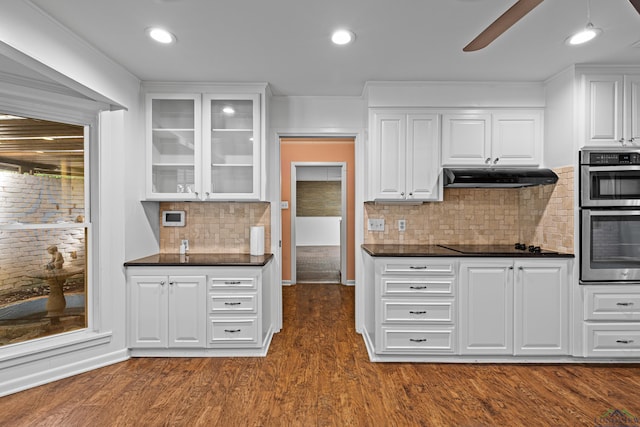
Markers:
498,177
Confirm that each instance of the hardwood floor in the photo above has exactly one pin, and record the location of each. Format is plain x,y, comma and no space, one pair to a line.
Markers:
317,373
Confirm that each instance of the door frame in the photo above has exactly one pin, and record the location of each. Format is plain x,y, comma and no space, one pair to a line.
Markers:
274,197
343,215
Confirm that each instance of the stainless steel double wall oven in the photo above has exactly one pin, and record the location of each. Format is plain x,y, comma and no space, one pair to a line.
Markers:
610,215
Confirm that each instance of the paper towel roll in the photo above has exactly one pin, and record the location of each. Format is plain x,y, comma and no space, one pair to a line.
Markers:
257,240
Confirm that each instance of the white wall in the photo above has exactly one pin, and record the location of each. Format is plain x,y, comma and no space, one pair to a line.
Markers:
318,231
560,120
314,113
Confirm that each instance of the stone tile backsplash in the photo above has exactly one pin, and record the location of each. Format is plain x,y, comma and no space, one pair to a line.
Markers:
216,227
542,215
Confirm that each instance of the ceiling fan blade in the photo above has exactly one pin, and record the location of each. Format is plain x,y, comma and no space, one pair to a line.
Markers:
505,21
636,4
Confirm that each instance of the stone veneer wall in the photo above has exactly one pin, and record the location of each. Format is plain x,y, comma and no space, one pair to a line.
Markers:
536,215
216,227
33,199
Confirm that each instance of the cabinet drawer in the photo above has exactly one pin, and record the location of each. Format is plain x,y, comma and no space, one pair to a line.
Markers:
603,305
237,331
613,340
244,283
419,267
232,303
397,286
417,312
396,340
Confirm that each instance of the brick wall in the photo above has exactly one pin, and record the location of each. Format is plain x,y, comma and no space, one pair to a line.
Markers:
32,199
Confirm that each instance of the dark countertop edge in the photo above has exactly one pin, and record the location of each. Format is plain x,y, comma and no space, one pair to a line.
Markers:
251,261
435,251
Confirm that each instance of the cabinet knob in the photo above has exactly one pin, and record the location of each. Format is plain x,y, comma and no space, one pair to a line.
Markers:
487,160
417,339
410,194
624,304
496,160
624,341
172,283
402,194
621,141
162,283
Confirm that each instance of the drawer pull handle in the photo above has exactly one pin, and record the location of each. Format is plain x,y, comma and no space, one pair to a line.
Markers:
418,267
232,283
624,341
417,312
624,304
232,331
232,303
418,339
417,287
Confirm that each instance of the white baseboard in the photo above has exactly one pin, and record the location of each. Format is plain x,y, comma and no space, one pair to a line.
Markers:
60,372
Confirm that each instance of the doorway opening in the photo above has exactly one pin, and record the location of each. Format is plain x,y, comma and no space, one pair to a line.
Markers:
318,222
318,210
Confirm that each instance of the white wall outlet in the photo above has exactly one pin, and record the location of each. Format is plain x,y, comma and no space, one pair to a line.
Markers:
402,224
375,225
284,204
185,242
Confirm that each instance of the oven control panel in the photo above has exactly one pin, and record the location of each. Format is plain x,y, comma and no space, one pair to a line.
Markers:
612,158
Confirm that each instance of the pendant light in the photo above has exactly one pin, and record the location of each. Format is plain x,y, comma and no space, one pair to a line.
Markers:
588,33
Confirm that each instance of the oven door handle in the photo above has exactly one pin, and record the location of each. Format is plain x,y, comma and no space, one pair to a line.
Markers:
610,212
613,168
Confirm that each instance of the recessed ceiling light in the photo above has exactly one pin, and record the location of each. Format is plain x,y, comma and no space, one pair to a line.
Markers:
161,35
342,37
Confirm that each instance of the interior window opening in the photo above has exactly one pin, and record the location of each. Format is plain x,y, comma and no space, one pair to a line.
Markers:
43,228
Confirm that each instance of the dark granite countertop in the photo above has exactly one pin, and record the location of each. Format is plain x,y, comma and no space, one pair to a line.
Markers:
201,260
505,251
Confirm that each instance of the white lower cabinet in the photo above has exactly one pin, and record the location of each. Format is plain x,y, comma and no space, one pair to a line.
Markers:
215,311
516,307
167,311
234,300
486,304
415,306
612,321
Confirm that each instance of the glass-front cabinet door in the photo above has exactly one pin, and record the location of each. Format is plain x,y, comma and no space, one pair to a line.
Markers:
174,128
231,146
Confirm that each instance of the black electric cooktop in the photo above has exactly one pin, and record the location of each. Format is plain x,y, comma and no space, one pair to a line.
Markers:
507,250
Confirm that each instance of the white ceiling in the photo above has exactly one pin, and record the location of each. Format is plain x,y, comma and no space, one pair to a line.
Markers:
286,42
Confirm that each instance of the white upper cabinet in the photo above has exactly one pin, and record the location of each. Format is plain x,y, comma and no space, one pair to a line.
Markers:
203,146
173,126
612,103
466,139
404,158
492,138
231,146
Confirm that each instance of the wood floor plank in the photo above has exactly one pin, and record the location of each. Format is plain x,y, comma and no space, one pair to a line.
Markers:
317,373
